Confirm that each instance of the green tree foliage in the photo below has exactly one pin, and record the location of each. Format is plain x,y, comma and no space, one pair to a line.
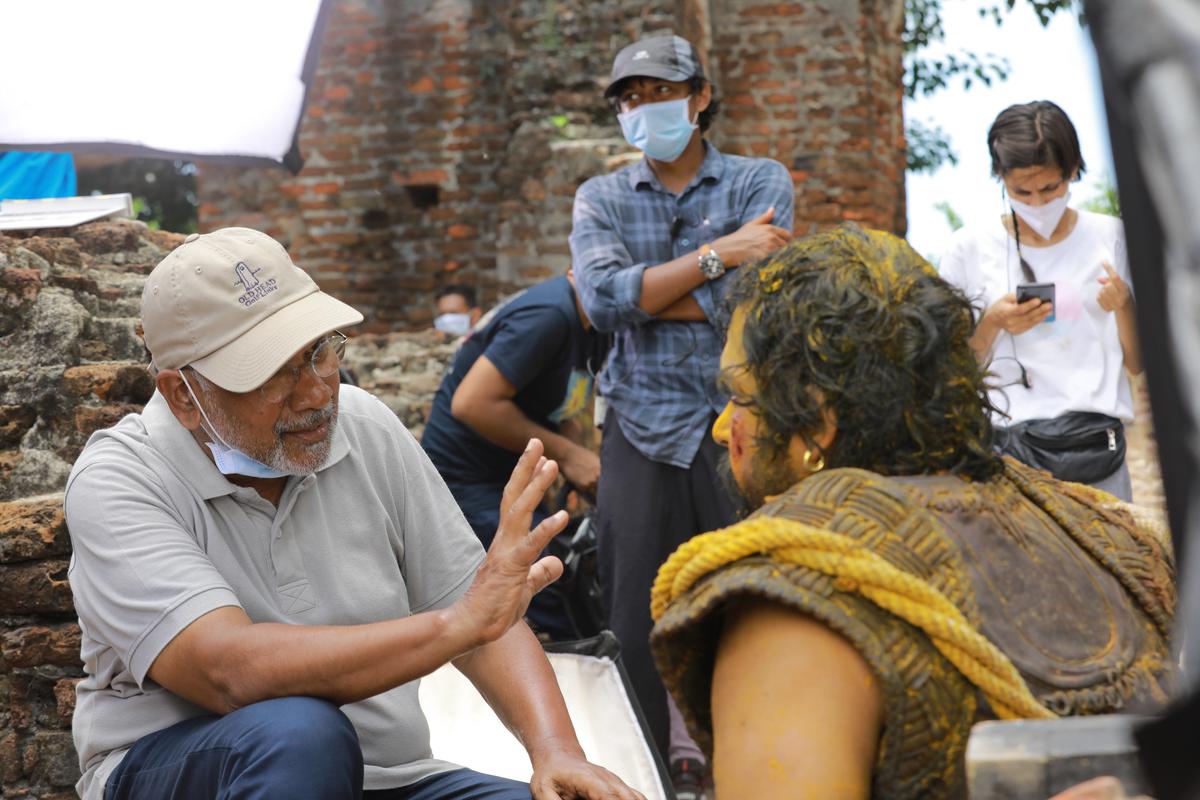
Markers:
952,217
1105,201
928,145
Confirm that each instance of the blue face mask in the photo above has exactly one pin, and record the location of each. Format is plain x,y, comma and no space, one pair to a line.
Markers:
660,130
229,460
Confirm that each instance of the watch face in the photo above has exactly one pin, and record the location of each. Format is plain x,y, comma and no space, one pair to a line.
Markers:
711,265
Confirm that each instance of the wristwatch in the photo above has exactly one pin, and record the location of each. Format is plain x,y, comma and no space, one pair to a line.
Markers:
711,265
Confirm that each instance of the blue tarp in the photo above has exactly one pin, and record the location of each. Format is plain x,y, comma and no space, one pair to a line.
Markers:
32,175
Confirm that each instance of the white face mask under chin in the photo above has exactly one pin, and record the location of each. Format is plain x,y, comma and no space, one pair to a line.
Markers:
1043,219
230,460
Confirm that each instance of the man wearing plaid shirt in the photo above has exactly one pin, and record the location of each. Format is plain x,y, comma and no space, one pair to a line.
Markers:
650,246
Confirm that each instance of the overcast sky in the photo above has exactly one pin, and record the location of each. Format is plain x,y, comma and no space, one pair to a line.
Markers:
1055,63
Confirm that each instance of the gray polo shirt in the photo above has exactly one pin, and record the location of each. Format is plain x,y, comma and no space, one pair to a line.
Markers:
161,537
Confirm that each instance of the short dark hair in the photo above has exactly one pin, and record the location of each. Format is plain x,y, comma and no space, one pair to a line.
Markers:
858,322
695,84
1034,134
467,292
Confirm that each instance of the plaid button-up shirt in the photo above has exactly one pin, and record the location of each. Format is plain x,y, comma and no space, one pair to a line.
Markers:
660,377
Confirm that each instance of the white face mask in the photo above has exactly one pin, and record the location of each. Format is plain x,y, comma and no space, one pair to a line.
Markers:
1044,218
453,324
230,460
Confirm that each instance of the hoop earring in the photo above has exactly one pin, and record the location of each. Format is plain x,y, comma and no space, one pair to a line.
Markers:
810,467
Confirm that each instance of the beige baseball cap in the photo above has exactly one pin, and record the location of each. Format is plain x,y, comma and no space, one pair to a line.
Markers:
233,305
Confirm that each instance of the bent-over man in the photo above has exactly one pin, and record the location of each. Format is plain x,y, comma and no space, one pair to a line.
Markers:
523,375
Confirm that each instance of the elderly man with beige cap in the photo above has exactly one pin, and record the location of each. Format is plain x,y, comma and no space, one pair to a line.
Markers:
265,563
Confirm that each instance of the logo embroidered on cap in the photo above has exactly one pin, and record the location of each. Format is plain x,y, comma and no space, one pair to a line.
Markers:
641,54
246,275
256,290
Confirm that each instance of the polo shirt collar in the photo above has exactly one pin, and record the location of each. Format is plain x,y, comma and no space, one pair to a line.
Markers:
175,443
712,168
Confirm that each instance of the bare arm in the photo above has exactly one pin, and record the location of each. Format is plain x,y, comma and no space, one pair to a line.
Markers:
796,710
1116,297
484,401
515,678
685,309
1127,332
224,661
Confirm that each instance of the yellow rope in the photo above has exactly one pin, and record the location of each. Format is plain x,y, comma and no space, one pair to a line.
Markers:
855,569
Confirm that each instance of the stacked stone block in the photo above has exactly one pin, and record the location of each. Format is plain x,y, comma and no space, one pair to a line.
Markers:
70,362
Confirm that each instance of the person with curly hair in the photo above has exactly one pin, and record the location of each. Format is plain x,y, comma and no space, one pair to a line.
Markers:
897,580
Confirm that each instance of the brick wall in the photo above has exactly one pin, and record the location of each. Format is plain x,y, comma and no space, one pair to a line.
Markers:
817,86
445,138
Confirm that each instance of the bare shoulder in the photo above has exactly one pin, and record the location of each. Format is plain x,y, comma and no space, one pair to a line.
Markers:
797,710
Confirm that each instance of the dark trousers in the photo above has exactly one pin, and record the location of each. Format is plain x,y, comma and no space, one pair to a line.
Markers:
288,747
645,510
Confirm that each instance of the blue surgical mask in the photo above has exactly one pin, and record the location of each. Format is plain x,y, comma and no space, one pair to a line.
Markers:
229,460
660,130
454,324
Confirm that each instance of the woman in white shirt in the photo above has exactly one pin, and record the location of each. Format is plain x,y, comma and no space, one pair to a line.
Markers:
1049,358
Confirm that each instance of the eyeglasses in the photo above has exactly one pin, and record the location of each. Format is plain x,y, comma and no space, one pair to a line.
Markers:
323,358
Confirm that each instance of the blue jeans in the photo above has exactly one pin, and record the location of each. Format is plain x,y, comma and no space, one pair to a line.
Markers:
290,747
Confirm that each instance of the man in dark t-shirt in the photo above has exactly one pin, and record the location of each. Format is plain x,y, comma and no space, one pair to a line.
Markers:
522,375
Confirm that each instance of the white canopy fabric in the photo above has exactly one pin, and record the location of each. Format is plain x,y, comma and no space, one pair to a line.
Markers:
223,79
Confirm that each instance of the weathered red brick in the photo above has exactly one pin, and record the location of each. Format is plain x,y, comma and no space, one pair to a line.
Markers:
64,696
19,286
422,86
36,645
15,421
89,419
130,382
37,588
32,529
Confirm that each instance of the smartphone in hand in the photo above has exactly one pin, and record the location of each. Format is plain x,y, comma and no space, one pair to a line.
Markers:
1042,291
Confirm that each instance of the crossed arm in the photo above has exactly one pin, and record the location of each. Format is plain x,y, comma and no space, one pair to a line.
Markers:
662,291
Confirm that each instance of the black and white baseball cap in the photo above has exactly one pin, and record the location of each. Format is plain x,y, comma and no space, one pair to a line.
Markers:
671,58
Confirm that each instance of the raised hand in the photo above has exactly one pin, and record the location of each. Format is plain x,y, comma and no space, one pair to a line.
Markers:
755,239
512,573
1114,292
